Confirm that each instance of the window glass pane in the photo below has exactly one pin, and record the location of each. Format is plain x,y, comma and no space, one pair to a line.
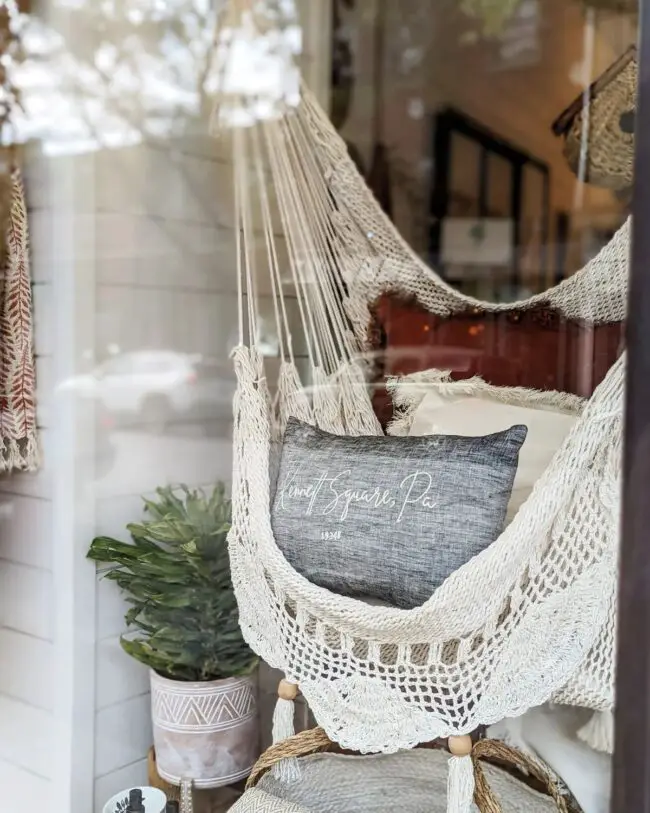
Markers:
403,219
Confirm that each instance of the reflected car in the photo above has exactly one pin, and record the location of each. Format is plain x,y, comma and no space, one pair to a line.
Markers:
157,385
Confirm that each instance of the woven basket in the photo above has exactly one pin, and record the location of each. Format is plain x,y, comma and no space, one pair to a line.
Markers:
507,781
605,142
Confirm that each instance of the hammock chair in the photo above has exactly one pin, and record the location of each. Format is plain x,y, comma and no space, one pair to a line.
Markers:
529,619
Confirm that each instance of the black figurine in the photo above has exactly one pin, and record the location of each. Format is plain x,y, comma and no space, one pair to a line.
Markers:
135,802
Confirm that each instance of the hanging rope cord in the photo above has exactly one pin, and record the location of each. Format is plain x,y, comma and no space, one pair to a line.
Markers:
280,188
275,160
533,617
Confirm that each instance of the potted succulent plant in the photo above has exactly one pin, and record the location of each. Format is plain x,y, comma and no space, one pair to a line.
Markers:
183,624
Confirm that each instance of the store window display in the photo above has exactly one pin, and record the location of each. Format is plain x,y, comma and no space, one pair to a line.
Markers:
425,246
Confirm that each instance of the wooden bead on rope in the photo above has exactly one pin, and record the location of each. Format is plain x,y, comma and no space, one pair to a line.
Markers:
460,746
287,690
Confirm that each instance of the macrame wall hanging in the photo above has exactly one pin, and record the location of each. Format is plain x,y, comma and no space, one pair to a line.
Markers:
18,432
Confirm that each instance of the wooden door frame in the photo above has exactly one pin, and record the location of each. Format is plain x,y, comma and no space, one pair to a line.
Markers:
631,782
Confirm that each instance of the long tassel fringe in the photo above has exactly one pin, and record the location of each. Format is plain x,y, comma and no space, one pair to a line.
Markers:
598,733
287,770
460,785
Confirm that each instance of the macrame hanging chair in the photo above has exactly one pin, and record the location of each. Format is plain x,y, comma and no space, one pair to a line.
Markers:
529,619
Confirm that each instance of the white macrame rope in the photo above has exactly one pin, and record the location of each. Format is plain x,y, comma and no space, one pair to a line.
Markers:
319,223
279,305
248,238
297,254
309,252
531,618
288,769
237,166
301,194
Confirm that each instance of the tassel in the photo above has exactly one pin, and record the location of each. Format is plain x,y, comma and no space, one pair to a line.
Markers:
598,733
460,785
287,770
460,779
283,720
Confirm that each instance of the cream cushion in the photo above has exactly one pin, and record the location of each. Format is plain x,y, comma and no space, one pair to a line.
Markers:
451,410
551,733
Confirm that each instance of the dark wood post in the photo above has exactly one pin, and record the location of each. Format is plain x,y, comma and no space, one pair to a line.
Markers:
631,790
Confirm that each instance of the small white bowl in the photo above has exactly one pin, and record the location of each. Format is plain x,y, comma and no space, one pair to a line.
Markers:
154,800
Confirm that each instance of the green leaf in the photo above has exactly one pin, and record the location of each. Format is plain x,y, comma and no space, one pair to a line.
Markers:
175,574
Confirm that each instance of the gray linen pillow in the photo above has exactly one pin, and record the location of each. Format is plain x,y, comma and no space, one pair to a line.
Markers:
390,517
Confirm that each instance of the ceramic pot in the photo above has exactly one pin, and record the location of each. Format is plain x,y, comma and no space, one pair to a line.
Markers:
207,732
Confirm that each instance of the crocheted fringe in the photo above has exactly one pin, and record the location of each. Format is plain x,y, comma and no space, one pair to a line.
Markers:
20,455
408,392
460,785
287,770
598,733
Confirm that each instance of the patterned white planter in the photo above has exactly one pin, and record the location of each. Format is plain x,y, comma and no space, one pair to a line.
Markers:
206,732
